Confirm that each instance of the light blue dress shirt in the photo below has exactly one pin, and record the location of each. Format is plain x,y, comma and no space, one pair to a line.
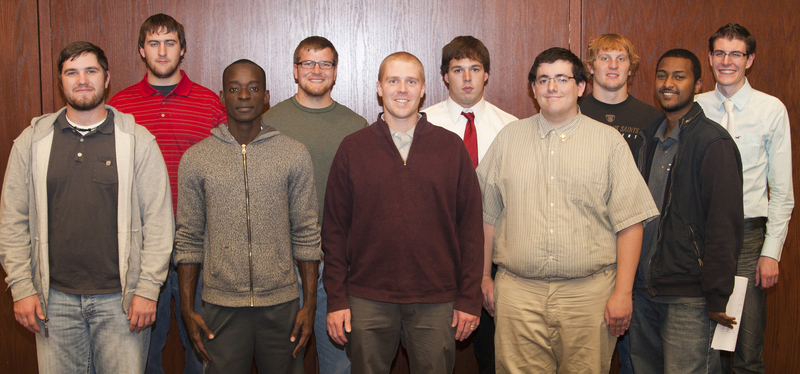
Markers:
762,136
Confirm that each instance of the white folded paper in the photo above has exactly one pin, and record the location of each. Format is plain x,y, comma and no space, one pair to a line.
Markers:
725,338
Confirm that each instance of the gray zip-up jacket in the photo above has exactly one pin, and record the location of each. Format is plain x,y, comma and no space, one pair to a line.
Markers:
144,211
245,212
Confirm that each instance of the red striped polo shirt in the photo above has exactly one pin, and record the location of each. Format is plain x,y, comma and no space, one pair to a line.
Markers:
179,120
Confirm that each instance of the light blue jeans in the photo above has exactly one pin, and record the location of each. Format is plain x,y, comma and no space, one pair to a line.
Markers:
88,334
332,357
158,338
672,338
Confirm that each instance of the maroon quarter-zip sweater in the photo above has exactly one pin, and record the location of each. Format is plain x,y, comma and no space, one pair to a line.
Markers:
403,232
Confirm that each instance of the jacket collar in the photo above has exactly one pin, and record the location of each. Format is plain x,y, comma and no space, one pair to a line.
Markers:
222,133
686,122
44,125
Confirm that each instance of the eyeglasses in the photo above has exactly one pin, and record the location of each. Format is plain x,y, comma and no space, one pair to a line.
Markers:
733,55
310,64
560,79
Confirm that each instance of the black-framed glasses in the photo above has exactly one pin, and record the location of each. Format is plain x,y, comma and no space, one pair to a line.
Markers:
310,64
734,55
560,79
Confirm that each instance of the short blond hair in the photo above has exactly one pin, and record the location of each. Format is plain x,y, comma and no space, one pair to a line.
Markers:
401,56
612,42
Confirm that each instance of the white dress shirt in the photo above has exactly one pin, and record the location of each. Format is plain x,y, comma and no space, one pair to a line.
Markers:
489,120
762,136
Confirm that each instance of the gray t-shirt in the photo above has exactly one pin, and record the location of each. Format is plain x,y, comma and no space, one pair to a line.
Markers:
320,130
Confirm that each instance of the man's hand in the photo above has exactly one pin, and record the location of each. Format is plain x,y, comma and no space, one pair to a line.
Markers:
487,287
766,272
194,326
188,275
722,319
26,311
303,322
141,313
467,323
336,320
618,313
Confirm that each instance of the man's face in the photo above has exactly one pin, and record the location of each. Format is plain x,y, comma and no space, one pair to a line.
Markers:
83,82
401,89
243,93
555,99
315,82
465,80
674,85
162,53
611,70
729,70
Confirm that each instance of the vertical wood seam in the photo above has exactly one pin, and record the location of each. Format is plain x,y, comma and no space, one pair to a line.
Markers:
575,26
46,57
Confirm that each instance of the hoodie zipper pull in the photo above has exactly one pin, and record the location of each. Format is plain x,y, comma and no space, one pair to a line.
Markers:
244,149
46,330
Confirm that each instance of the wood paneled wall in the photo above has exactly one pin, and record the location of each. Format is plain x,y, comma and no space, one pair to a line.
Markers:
22,100
364,32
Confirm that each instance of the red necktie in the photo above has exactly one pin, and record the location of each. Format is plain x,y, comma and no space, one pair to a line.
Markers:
471,137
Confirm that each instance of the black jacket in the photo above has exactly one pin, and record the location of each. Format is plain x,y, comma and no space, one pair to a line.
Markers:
701,230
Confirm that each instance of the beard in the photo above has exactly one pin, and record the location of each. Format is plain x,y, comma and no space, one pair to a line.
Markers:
677,105
86,103
315,90
162,72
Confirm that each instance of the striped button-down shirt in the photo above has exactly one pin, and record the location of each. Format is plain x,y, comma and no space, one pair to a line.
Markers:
558,197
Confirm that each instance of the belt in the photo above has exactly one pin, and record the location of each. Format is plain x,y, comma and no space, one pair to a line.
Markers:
755,223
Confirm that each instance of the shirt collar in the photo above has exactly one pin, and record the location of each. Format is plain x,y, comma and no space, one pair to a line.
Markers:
564,131
455,109
410,132
107,127
739,98
182,89
662,128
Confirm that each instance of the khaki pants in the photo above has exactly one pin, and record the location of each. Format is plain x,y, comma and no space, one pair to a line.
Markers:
555,326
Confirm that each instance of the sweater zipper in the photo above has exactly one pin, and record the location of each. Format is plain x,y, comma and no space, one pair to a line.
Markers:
247,213
39,243
44,307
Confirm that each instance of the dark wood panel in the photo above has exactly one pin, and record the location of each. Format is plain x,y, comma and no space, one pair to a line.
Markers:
21,98
655,27
266,32
366,32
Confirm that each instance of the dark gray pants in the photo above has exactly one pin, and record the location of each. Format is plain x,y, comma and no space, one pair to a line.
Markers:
748,357
240,334
427,335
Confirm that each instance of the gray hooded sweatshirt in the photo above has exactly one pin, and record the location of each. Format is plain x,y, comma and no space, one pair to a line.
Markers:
246,212
144,211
